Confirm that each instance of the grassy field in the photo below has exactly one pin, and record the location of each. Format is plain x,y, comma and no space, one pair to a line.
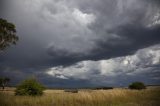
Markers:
114,97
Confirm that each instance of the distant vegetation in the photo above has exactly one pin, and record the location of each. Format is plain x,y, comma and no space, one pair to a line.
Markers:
71,90
137,85
104,88
30,87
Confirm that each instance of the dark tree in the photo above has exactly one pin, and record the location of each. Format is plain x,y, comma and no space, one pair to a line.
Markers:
4,82
7,34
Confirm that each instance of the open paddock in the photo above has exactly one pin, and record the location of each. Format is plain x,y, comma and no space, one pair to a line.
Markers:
85,97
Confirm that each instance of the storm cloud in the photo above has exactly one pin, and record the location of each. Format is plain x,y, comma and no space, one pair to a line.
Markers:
143,65
62,33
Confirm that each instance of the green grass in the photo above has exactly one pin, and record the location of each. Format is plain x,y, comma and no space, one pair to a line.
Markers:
115,97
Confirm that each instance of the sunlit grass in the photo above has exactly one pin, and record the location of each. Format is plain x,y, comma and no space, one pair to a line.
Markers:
115,97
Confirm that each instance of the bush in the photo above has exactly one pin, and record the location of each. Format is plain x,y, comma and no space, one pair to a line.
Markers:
137,85
71,90
104,88
29,87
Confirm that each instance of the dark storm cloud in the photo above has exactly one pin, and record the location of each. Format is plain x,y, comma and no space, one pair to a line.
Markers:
60,32
121,30
142,66
135,37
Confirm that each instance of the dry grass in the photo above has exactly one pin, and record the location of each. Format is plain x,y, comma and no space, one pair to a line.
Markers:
115,97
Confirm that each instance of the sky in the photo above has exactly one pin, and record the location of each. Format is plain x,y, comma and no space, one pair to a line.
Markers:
83,43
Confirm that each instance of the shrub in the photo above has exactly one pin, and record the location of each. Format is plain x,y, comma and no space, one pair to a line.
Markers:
29,87
104,88
137,85
71,90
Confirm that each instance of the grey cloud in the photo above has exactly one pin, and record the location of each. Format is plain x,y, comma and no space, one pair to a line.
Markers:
120,28
142,66
52,31
62,33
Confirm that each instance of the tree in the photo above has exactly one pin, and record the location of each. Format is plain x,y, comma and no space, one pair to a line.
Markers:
7,34
137,85
4,81
30,87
